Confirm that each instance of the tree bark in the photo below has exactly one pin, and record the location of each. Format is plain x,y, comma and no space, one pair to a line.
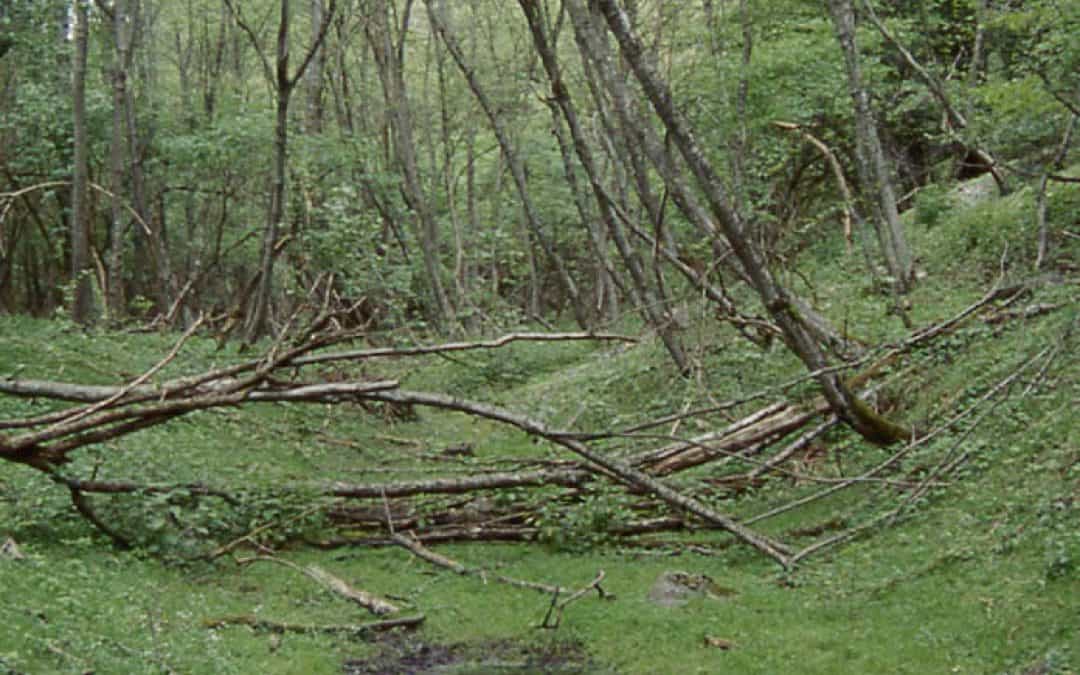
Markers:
82,306
314,76
114,301
873,169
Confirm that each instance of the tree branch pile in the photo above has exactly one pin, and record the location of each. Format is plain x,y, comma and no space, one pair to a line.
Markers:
452,506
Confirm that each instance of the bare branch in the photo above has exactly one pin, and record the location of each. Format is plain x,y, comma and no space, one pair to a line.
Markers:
612,467
335,585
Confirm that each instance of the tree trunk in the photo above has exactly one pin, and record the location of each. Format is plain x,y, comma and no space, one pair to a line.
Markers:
258,319
517,170
314,77
607,280
82,306
872,166
644,297
398,112
773,296
114,298
283,84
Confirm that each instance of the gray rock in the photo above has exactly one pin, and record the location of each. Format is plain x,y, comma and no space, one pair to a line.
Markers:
676,588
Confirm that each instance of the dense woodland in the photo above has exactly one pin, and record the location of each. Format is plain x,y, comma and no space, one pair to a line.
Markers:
454,163
825,219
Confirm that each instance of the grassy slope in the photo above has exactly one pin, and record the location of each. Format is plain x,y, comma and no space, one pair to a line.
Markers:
982,577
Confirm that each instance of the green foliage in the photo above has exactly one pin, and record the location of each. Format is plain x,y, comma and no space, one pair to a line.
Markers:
584,526
1017,115
931,205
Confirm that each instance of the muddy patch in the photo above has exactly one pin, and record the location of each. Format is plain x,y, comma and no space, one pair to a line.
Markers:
409,656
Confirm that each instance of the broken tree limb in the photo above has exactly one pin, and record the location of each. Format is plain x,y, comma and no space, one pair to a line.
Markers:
893,514
851,214
763,427
570,477
335,585
382,352
793,447
557,607
83,506
256,623
126,389
89,393
30,448
420,551
574,477
620,471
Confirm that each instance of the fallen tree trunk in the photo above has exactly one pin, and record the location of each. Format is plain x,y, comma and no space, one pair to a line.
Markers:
752,433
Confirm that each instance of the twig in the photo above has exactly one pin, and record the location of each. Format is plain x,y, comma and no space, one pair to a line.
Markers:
891,515
82,505
250,536
557,609
128,388
793,447
850,213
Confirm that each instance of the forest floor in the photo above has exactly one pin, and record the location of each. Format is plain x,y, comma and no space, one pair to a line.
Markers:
979,575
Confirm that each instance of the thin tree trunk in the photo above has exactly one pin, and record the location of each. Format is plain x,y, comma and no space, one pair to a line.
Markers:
607,281
258,319
873,169
439,20
624,148
115,280
399,114
82,306
644,297
773,296
314,76
283,84
1040,200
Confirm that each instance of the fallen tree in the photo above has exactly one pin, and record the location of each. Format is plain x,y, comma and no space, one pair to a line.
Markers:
762,442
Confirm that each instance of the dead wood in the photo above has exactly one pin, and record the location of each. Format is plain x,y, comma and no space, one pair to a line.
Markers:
335,585
383,352
555,612
570,477
443,536
613,467
358,629
947,466
110,412
1024,313
753,432
792,448
83,506
420,551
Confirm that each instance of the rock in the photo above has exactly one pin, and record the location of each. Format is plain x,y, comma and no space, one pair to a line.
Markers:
10,550
675,588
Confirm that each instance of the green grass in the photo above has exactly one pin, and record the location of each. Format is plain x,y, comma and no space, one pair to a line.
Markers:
981,576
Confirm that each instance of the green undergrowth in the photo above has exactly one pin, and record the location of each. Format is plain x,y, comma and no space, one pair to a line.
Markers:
979,575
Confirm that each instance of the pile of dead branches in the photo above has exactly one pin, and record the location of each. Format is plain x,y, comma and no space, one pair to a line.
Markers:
768,441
